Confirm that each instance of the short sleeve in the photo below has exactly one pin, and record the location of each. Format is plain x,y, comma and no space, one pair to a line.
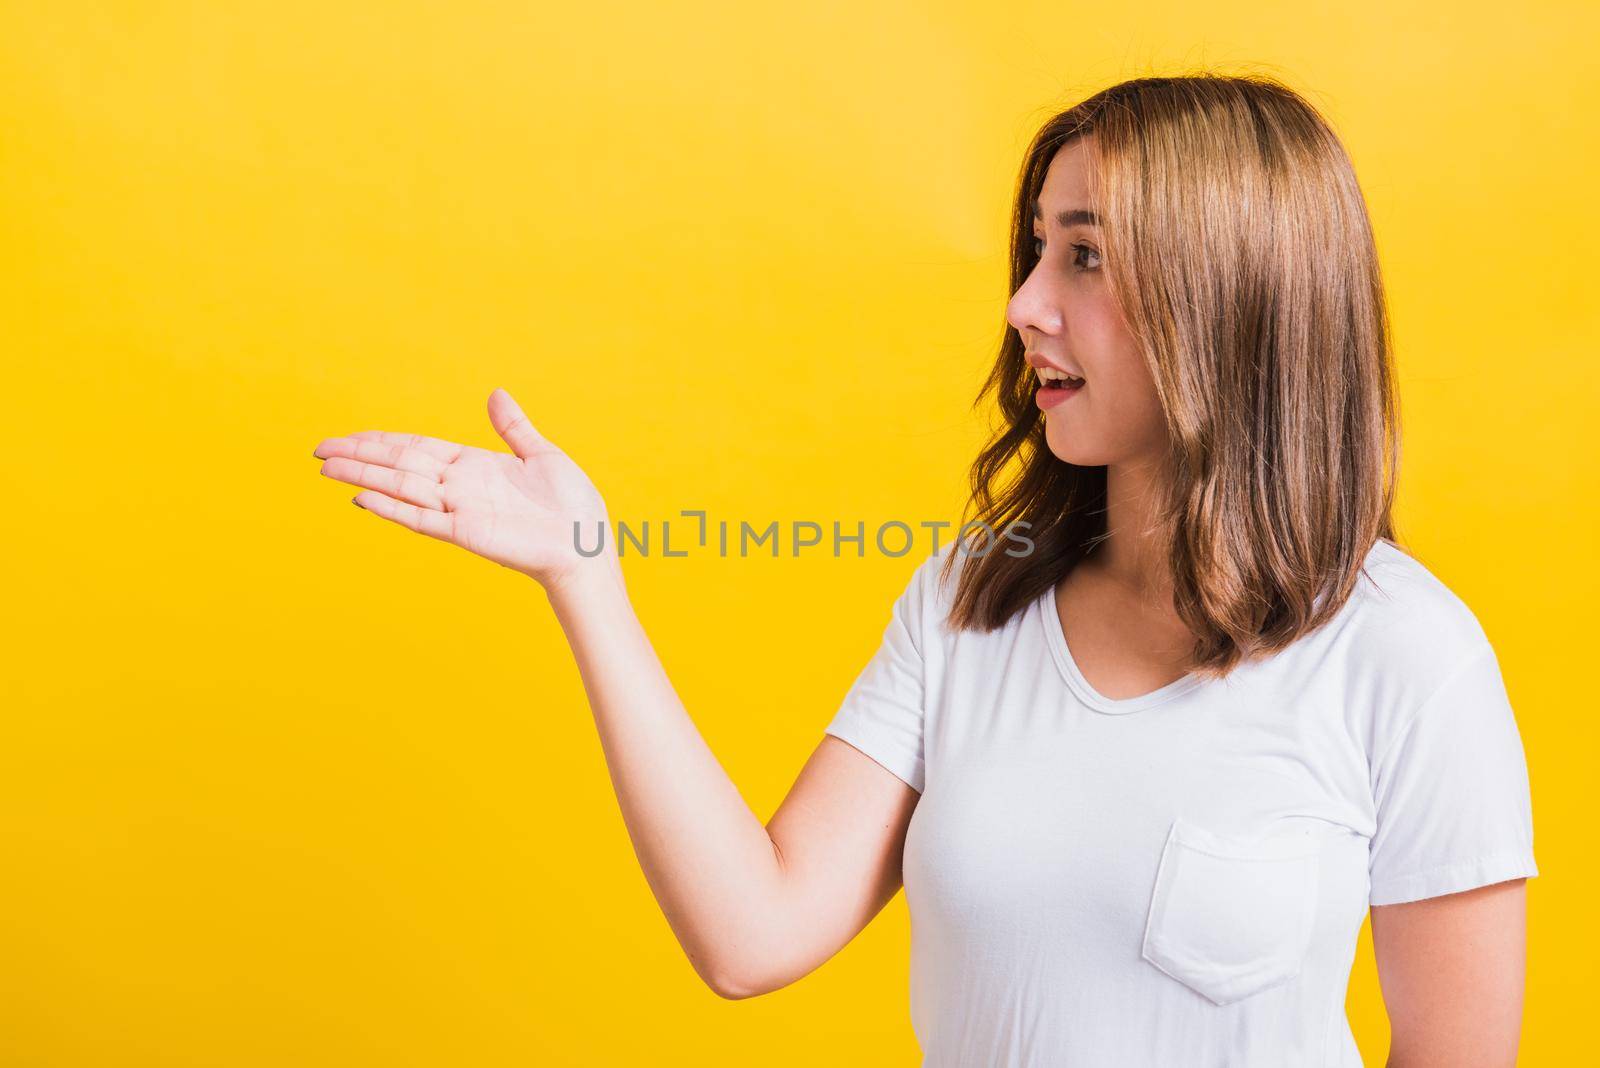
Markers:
882,713
1451,793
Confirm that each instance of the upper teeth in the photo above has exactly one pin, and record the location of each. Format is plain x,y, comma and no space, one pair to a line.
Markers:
1050,374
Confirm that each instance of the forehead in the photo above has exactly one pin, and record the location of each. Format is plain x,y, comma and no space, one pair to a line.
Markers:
1068,182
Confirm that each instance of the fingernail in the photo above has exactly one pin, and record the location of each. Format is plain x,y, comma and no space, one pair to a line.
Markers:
358,504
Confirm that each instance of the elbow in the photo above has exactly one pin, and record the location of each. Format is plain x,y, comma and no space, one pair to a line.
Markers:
744,964
733,985
731,991
736,980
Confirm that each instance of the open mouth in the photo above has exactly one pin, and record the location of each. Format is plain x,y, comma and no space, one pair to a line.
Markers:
1055,386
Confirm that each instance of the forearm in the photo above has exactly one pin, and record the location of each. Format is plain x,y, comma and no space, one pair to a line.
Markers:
708,859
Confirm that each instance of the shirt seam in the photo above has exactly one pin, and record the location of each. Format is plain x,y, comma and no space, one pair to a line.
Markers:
1470,661
1056,641
1390,883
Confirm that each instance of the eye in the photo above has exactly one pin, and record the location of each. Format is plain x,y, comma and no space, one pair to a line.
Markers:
1084,257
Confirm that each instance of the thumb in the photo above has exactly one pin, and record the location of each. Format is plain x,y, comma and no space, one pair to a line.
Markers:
512,425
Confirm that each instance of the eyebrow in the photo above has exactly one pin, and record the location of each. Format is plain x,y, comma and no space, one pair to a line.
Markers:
1078,216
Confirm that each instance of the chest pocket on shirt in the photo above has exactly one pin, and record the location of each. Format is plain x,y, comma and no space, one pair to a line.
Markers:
1231,917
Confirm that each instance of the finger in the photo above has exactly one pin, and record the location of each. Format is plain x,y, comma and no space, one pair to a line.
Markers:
394,455
441,450
512,425
422,520
423,492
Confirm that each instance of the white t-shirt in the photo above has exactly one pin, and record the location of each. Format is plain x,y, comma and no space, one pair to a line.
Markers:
1179,878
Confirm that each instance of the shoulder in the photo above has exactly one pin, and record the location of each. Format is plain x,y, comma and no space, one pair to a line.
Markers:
940,572
1404,633
1401,607
930,589
929,597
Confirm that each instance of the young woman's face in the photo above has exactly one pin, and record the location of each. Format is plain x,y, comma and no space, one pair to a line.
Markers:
1068,321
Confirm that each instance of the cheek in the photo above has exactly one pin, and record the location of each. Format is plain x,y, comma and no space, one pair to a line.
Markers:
1111,357
1120,414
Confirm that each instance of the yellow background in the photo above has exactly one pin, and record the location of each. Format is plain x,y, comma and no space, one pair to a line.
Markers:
281,783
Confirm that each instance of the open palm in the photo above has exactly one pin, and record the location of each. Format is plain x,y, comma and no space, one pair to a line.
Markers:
519,509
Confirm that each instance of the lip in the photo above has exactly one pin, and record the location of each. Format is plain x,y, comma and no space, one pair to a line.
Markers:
1047,399
1037,362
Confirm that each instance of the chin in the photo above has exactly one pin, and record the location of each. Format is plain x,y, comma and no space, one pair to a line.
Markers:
1075,447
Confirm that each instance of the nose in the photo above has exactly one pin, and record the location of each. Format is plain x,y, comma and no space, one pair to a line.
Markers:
1031,308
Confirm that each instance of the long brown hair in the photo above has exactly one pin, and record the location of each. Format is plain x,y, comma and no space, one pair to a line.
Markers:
1239,250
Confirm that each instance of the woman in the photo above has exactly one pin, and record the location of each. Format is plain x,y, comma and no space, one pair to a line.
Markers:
1144,776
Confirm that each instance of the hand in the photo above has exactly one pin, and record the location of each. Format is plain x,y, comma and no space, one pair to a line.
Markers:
517,509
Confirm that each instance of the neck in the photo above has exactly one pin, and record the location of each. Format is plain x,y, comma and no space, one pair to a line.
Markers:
1133,553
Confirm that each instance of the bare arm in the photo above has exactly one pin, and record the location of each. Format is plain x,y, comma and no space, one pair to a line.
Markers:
1452,968
755,907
